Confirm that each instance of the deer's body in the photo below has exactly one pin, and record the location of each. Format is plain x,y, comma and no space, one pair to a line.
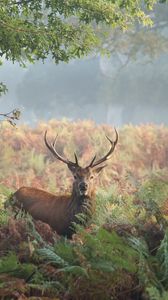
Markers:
60,212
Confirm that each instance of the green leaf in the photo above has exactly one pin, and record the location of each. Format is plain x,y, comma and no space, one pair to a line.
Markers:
75,270
51,257
9,263
104,266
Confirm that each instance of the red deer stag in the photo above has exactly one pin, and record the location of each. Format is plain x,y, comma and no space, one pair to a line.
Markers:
60,212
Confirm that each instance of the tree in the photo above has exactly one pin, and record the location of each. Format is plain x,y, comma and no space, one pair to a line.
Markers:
149,42
64,29
12,116
33,29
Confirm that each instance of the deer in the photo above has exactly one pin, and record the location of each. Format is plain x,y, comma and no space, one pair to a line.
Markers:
62,211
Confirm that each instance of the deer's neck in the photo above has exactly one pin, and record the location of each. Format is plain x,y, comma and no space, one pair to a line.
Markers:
82,204
79,205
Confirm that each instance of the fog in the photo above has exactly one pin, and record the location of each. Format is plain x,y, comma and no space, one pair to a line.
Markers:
125,87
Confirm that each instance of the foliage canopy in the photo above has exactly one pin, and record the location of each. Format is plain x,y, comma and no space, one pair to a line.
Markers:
31,30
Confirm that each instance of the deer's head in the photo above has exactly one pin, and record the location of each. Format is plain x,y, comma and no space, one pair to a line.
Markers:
83,177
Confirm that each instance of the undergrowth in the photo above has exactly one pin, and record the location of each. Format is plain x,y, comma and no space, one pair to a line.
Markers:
122,254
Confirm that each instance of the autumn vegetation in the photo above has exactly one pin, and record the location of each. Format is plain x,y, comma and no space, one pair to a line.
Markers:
123,253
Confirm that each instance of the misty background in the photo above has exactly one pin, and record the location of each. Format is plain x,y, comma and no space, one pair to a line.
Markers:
128,86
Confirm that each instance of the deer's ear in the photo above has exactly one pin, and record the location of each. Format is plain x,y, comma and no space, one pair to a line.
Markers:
99,169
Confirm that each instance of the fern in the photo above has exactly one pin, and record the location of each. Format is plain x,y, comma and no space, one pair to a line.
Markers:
51,287
66,250
37,162
154,189
108,248
3,217
74,270
139,245
162,256
11,265
154,293
105,204
4,192
146,263
51,257
33,231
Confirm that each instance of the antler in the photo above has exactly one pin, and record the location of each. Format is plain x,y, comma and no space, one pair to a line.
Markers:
51,147
108,155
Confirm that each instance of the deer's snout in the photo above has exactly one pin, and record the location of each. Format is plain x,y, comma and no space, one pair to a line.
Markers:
83,186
